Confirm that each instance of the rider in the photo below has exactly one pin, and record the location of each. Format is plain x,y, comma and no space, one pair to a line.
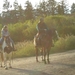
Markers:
5,33
41,28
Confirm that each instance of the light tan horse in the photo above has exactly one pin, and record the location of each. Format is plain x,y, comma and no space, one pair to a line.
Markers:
6,53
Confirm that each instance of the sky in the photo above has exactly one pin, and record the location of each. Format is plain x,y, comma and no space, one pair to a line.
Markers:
34,2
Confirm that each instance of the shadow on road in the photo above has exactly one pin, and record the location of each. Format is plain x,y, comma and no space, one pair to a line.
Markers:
30,72
63,64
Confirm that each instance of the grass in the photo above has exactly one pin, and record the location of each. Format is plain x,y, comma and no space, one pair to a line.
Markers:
24,49
27,49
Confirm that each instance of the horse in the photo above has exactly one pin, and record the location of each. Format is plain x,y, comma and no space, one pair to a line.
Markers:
6,52
45,44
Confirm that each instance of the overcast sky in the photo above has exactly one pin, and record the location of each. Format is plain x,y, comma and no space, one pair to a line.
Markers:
34,2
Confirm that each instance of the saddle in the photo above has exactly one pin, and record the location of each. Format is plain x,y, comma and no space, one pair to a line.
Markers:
39,38
43,37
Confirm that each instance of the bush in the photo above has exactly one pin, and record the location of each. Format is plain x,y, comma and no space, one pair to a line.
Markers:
70,42
64,44
25,49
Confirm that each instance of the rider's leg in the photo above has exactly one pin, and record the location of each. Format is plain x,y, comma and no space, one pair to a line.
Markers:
1,40
12,43
38,38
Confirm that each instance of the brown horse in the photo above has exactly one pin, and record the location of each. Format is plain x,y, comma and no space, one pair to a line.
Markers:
45,45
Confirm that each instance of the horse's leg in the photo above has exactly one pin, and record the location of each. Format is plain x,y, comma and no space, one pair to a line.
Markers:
36,54
44,55
48,50
5,59
1,58
10,57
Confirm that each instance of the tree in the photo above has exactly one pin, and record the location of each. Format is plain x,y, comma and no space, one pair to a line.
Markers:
0,19
15,4
15,11
62,7
21,14
28,11
51,7
41,9
6,12
73,8
6,5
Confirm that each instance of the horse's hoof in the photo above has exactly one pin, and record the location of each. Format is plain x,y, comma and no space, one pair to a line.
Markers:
37,61
45,62
42,59
10,67
48,62
6,68
1,66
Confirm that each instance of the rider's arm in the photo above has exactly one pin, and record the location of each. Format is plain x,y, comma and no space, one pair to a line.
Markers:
2,33
38,28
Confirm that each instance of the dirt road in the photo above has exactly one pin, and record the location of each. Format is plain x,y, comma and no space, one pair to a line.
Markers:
61,64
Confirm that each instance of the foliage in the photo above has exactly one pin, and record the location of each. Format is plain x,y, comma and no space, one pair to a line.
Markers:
64,44
28,11
23,31
15,13
26,31
70,42
15,4
73,8
63,24
16,31
25,49
6,5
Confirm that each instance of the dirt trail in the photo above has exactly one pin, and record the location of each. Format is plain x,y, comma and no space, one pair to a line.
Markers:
61,64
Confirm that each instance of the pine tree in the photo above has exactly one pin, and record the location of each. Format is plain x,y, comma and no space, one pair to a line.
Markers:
28,11
73,8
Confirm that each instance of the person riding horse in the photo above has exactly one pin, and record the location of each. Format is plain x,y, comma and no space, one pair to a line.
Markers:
5,34
43,40
42,29
7,47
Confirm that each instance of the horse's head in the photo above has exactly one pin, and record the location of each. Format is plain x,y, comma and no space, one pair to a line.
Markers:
7,41
52,32
7,45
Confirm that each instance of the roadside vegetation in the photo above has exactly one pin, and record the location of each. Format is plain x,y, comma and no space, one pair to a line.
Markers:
23,35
